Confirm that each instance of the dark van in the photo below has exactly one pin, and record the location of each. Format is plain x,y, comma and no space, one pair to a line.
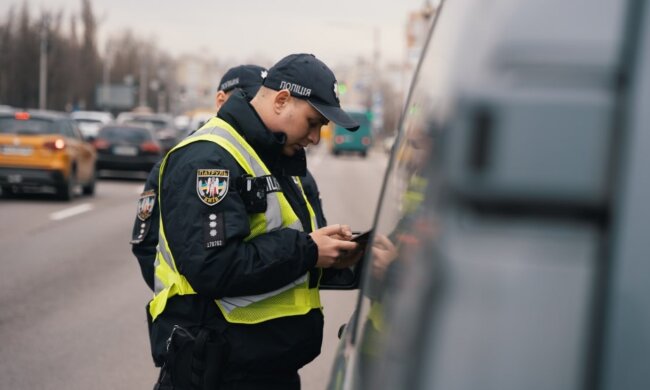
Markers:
357,141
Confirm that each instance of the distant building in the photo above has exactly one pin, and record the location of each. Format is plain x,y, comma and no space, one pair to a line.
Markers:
198,80
417,27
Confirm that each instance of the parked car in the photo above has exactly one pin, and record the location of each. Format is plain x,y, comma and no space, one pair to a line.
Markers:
358,141
89,122
510,243
44,151
127,148
162,124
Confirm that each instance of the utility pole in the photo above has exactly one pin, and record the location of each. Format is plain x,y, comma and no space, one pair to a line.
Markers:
42,78
142,101
108,62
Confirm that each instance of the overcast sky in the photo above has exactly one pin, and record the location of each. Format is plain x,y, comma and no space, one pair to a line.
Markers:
242,30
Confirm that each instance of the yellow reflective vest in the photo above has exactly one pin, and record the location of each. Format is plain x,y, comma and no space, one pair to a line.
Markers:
296,298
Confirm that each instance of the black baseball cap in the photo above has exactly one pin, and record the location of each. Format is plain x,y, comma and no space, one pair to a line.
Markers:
307,77
246,77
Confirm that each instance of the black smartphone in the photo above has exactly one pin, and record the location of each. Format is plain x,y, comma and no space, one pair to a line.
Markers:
362,240
362,237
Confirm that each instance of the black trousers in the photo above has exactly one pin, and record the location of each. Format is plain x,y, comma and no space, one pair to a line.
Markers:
283,382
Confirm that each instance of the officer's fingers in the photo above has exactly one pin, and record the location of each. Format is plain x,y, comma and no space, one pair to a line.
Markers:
325,231
347,245
330,230
346,231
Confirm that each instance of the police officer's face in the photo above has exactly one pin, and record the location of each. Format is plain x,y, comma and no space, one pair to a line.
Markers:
301,123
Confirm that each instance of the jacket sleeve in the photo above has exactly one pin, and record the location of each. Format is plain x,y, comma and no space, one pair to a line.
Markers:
313,196
144,248
234,267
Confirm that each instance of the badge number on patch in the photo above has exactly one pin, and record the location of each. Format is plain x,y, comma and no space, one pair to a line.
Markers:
145,204
212,185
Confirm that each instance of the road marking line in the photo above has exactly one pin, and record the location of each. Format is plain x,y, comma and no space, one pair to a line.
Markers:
65,213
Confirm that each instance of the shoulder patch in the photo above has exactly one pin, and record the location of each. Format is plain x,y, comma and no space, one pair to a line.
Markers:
145,204
212,185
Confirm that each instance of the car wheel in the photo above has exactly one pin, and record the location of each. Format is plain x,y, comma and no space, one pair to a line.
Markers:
336,152
364,154
89,188
66,189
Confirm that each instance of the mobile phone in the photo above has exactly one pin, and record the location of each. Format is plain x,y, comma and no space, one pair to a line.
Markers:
362,238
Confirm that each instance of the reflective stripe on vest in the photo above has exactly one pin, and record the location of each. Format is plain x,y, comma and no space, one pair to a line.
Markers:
312,214
295,298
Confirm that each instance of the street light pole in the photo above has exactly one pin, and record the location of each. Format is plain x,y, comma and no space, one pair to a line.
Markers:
108,62
42,79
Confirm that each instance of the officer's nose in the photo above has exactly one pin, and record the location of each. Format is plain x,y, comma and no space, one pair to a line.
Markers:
314,136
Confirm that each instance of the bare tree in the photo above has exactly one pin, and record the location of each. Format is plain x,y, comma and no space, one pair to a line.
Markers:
74,66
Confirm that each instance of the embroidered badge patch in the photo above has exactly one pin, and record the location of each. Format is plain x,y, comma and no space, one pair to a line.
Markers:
145,204
212,185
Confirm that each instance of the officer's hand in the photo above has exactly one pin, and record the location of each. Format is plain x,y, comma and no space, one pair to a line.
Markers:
331,241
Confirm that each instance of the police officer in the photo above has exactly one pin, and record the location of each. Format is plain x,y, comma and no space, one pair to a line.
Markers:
236,301
144,238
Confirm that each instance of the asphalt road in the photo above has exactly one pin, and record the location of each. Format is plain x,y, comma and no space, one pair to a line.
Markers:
71,294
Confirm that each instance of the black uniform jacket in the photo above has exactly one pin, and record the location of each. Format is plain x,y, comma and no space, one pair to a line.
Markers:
236,268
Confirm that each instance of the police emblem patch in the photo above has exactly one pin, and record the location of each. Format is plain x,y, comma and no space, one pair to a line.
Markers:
212,185
145,204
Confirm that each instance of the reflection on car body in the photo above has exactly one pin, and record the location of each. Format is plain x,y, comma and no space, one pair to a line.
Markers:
507,246
42,150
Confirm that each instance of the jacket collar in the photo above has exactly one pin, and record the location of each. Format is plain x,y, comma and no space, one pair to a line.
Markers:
238,112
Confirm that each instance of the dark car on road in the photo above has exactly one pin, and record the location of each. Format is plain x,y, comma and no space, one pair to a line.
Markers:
127,148
162,125
510,246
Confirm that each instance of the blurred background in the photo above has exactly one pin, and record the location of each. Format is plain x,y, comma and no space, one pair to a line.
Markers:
168,57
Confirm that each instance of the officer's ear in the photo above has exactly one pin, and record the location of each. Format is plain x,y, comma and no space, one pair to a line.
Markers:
281,100
220,99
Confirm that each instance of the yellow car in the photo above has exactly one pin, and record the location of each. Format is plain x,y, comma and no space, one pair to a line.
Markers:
44,150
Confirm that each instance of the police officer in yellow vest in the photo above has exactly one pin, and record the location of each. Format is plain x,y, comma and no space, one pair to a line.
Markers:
236,302
144,238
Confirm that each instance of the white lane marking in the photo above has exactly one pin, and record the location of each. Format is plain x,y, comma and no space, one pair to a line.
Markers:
65,213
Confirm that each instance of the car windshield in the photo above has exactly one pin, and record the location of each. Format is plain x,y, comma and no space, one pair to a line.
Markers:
131,134
32,126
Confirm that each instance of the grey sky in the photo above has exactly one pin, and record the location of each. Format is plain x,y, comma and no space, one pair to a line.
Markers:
337,31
